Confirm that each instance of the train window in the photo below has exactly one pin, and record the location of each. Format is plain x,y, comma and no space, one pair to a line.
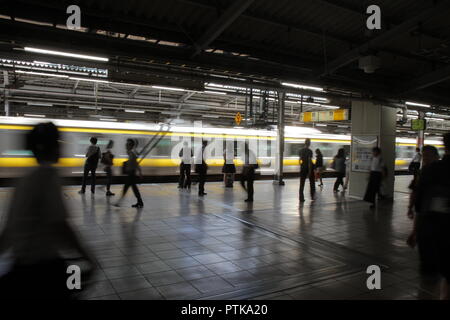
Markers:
12,143
295,149
264,148
163,148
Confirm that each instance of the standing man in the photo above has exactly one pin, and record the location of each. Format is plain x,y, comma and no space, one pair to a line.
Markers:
107,160
414,166
377,171
201,168
185,166
93,154
307,170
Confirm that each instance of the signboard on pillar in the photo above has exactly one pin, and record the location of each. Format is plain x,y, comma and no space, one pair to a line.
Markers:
362,146
318,116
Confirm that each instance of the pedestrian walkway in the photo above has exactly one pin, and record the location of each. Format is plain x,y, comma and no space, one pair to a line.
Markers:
180,246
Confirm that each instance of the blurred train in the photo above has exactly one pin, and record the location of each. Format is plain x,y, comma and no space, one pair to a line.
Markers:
163,160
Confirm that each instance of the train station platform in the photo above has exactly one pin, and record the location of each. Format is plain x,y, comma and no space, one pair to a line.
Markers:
180,246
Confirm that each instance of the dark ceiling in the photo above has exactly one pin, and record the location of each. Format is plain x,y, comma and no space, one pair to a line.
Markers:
261,42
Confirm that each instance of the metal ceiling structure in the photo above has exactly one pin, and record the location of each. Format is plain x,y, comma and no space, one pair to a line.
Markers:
220,54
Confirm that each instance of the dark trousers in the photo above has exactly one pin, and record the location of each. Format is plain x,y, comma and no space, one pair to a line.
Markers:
339,181
92,170
373,187
185,176
202,170
108,172
428,253
247,180
131,182
312,184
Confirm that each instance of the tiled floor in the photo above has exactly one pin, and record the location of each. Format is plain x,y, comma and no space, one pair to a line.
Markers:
184,247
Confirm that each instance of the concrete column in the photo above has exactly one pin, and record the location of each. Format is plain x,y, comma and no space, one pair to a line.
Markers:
5,84
369,119
421,133
278,179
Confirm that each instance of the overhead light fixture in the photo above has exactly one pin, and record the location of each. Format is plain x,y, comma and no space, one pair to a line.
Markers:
320,125
89,108
170,112
66,54
300,86
87,79
134,111
214,92
167,88
210,116
34,115
110,119
329,107
42,74
40,104
409,103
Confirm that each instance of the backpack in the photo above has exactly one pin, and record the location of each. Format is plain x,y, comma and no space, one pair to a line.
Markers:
93,159
107,158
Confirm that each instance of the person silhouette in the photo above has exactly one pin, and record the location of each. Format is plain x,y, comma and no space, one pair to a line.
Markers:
36,231
107,161
93,154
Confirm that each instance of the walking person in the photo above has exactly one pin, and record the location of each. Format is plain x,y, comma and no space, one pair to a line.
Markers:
339,166
37,232
433,200
319,167
423,223
201,168
249,173
185,166
107,161
377,171
90,166
306,170
130,168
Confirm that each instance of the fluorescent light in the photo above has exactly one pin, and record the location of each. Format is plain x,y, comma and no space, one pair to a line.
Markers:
436,119
170,112
86,79
34,115
320,125
214,92
417,104
41,104
66,54
329,107
134,111
300,86
43,74
110,119
89,108
167,88
210,116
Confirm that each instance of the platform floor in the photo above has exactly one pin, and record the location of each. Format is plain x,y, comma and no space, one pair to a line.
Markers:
180,246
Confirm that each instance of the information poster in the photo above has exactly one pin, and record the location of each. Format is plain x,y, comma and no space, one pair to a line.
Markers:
362,146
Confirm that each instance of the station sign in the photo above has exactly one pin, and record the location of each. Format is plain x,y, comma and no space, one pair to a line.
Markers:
418,124
238,118
320,116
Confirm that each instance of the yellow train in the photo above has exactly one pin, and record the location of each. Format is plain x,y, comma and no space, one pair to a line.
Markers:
163,159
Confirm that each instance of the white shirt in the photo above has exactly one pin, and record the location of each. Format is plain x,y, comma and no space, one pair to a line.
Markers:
186,157
417,157
377,164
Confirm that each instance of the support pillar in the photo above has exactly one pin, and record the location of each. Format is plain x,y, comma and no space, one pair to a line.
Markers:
5,84
370,120
421,133
280,141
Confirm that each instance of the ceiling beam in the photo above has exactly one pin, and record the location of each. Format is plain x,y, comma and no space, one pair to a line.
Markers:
384,38
224,21
427,80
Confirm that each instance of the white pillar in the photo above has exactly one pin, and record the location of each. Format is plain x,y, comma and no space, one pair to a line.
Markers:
371,120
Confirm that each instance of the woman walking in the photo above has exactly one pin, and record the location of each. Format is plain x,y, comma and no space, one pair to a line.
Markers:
339,166
319,166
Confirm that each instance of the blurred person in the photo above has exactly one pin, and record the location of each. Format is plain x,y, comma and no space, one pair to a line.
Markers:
130,168
422,226
90,166
185,166
319,167
229,168
201,168
107,160
249,172
433,201
306,170
339,166
377,171
347,172
37,229
414,166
